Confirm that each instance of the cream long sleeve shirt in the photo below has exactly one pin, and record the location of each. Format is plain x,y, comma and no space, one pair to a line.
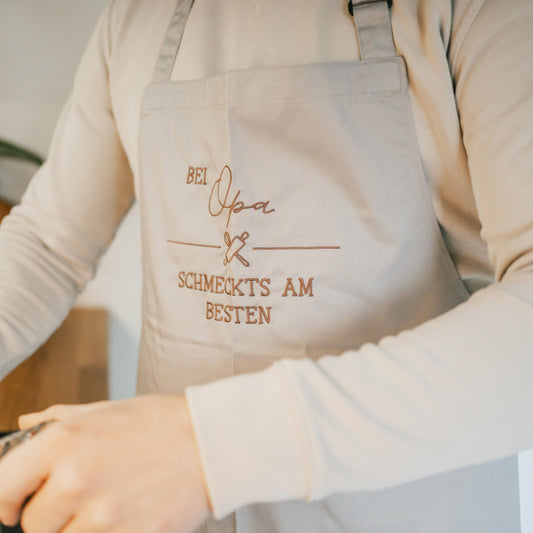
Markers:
452,392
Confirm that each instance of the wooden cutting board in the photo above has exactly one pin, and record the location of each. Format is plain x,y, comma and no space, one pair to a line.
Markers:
70,368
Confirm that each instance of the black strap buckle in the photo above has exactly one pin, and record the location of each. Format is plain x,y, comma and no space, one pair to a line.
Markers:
365,2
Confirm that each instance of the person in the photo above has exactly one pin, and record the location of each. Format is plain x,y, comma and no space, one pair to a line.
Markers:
338,270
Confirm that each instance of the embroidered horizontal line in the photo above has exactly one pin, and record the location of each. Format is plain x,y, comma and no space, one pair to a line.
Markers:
296,248
195,244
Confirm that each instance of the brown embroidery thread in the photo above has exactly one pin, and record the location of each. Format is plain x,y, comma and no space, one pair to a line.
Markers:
235,245
296,248
239,314
218,198
306,289
195,244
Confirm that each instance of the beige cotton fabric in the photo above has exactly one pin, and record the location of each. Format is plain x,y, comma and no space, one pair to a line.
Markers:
285,214
450,393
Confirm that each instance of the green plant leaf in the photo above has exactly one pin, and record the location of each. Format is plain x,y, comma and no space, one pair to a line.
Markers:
8,149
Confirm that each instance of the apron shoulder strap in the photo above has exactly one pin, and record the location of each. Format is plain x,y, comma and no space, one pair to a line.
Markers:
372,21
374,29
171,44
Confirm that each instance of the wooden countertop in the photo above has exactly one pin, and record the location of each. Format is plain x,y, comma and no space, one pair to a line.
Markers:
70,368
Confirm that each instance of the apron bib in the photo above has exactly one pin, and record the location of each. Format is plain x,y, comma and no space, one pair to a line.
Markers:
285,213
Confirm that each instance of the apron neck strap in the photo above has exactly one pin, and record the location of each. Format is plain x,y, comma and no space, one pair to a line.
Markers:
374,29
372,21
171,44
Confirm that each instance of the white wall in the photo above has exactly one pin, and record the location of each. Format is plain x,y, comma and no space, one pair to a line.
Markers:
40,43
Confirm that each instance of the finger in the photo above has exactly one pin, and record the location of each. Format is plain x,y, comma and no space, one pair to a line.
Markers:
22,471
54,505
57,412
99,517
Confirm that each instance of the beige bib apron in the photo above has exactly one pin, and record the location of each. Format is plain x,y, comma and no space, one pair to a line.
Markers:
285,214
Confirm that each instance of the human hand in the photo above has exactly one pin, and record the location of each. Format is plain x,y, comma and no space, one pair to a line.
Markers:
124,466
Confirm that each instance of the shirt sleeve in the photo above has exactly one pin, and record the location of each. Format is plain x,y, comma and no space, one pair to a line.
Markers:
456,390
50,243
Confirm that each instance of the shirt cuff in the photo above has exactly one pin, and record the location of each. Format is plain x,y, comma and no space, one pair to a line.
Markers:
249,440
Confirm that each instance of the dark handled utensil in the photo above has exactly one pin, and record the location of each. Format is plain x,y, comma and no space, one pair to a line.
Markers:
12,440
